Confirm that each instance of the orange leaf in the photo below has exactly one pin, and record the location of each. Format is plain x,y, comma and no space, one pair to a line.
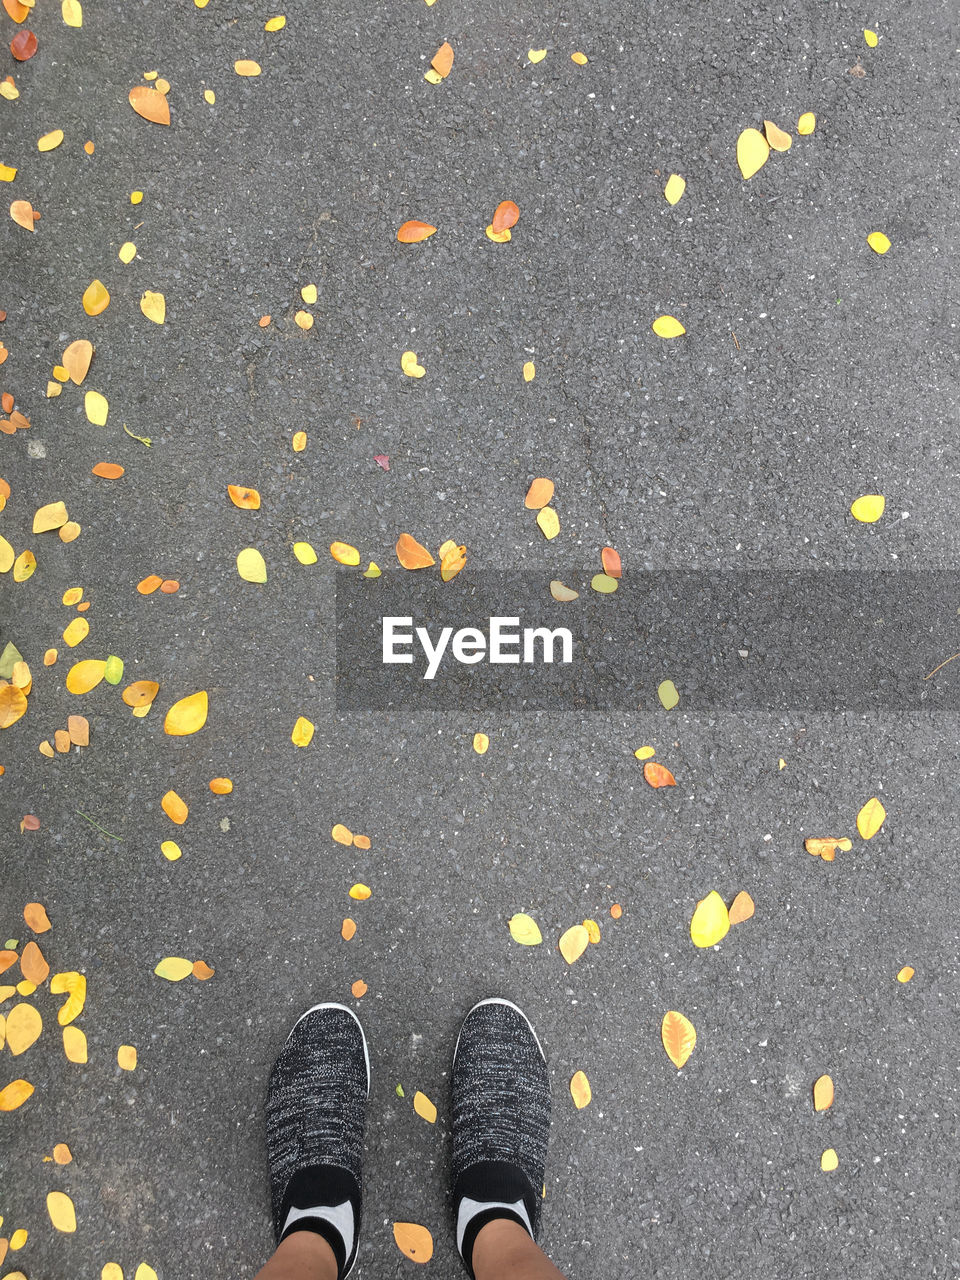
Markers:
611,562
175,809
14,1095
36,917
359,989
442,60
141,693
78,728
221,786
202,971
414,1241
657,775
742,908
7,959
150,103
148,585
348,929
32,964
539,494
342,834
21,211
411,554
169,586
16,10
822,1093
826,847
76,359
107,470
616,911
247,499
13,704
361,842
679,1037
411,232
505,216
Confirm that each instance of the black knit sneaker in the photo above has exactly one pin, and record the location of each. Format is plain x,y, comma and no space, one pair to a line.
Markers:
501,1122
316,1104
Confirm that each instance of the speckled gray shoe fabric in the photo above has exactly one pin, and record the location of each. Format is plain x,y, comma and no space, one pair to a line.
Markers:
316,1107
501,1122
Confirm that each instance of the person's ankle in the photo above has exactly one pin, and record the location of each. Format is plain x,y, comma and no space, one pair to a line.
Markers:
497,1244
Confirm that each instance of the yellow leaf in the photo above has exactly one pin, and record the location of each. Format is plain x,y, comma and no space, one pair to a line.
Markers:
498,237
111,1271
304,553
536,55
829,1161
154,306
127,1057
561,593
275,24
752,151
480,743
870,818
302,732
75,632
342,834
372,570
136,197
24,566
579,58
580,1091
549,522
14,1094
209,97
414,1241
24,1025
603,583
432,77
8,90
251,565
72,13
246,67
187,716
524,929
74,986
869,508
19,1239
593,931
50,141
778,139
574,943
303,320
424,1107
51,516
175,807
823,1093
95,298
174,968
529,371
143,1271
7,173
299,441
360,892
871,37
806,124
826,847
75,1045
309,294
62,1153
86,675
645,753
97,407
668,695
408,363
61,1211
667,327
343,553
171,850
679,1037
674,189
905,974
7,555
710,922
878,242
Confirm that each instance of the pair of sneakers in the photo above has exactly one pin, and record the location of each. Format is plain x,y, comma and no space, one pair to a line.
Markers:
316,1107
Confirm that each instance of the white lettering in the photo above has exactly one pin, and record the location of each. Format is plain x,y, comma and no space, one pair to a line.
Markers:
500,636
434,653
391,639
532,634
469,645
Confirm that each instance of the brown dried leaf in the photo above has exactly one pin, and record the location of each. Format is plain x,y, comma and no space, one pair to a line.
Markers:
742,907
79,729
150,103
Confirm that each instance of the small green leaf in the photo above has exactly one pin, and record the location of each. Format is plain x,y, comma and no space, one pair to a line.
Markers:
400,1093
667,693
8,660
113,671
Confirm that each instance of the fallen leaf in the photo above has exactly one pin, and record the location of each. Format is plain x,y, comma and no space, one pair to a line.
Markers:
275,24
96,298
78,728
645,753
61,1211
221,786
23,45
870,37
561,593
753,151
372,570
359,989
529,371
361,842
778,140
96,407
50,141
154,306
413,232
72,13
506,215
548,522
342,834
710,922
7,555
480,743
869,508
579,58
905,974
299,441
524,929
498,237
679,1037
414,1241
187,716
21,211
360,892
23,566
667,327
829,1161
611,562
52,516
33,965
826,847
309,294
823,1093
150,104
409,365
536,55
127,1057
62,741
302,732
742,907
251,565
148,585
174,807
14,1095
540,494
878,242
593,931
343,553
442,60
807,123
246,67
202,971
668,695
23,1027
74,986
603,583
35,915
17,11
580,1091
75,631
13,704
424,1107
113,673
62,1153
171,850
674,189
107,470
411,554
657,775
174,968
348,929
573,943
870,818
303,320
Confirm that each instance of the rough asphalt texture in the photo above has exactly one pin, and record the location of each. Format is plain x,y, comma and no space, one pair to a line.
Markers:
698,452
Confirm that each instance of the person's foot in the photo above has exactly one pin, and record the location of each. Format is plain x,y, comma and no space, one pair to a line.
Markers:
316,1105
501,1122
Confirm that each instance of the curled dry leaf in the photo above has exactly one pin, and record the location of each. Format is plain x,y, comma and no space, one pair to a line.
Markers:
823,1093
412,232
410,366
679,1037
826,847
657,775
505,216
540,494
74,986
414,1241
742,907
580,1091
150,103
241,496
411,554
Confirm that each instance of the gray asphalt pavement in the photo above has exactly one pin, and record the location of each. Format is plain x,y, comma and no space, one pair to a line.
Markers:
812,371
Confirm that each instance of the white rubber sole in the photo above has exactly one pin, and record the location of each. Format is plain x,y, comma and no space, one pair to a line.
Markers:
333,1004
510,1005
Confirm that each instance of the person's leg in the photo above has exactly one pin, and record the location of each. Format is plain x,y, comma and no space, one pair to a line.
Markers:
501,1126
316,1107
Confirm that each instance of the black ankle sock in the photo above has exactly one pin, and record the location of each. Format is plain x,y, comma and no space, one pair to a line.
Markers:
492,1185
317,1197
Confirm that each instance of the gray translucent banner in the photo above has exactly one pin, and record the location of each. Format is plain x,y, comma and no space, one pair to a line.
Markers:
758,640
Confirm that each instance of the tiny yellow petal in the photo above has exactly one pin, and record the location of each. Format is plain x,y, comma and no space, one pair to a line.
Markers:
275,24
674,189
869,508
480,743
871,37
209,96
529,371
536,55
878,242
644,753
807,123
905,974
579,58
50,141
171,850
136,197
127,252
829,1161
